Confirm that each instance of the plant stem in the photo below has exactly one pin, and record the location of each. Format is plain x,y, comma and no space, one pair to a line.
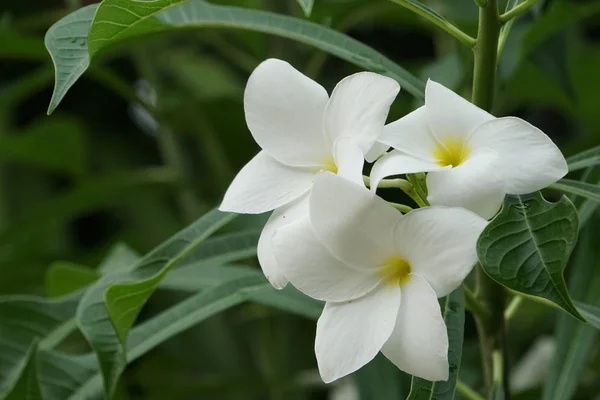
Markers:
401,184
492,333
467,392
516,11
512,307
438,21
400,207
477,308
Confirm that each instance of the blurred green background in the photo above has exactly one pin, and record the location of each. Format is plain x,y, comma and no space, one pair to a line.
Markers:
151,137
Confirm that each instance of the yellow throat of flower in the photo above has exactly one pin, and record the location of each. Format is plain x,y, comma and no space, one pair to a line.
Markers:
452,152
330,165
396,270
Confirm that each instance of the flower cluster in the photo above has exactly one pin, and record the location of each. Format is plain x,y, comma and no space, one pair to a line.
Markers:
380,272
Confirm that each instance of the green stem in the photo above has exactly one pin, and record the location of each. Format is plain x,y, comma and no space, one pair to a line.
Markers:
498,366
512,307
401,184
492,332
477,308
516,11
438,21
467,392
400,207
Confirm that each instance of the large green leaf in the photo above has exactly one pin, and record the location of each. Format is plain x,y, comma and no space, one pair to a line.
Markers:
109,308
25,386
575,340
453,311
590,312
64,278
527,245
66,42
578,188
117,20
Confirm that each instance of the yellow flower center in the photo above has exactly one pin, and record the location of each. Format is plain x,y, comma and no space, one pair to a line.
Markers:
396,270
451,151
330,165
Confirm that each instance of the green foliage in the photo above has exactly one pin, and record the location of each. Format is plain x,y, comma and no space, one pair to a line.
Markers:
114,22
453,311
528,244
64,278
574,339
578,188
307,6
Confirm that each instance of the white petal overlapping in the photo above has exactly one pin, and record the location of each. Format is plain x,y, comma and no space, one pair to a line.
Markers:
281,217
352,222
284,112
440,244
474,185
265,184
529,160
419,343
397,163
449,115
350,334
358,108
313,270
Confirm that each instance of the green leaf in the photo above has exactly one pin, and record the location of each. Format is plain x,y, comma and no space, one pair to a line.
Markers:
27,322
26,386
63,278
590,312
109,308
587,158
55,143
66,42
575,340
224,249
578,188
306,5
410,4
120,258
117,20
453,311
527,245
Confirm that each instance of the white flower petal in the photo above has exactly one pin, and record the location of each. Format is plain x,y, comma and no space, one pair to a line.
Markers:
419,343
352,222
397,163
284,111
282,216
529,160
313,270
450,115
359,106
348,159
377,150
350,334
265,184
411,135
439,244
473,185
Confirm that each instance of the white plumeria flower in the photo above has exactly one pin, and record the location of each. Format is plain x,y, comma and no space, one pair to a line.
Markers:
380,274
301,132
472,157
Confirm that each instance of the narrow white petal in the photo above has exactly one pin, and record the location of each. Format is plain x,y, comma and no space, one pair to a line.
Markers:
265,184
352,222
359,106
284,112
474,185
349,159
411,135
397,163
419,343
529,160
439,243
377,150
350,334
282,216
313,270
450,115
